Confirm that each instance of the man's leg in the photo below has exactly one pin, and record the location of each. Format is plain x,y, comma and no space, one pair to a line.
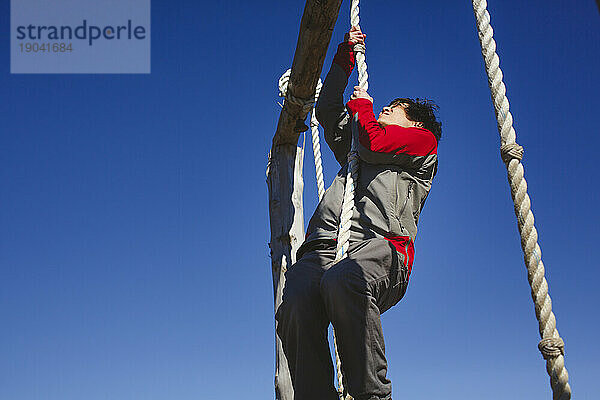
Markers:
302,327
356,291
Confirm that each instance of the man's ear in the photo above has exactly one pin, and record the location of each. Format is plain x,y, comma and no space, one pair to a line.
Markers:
419,124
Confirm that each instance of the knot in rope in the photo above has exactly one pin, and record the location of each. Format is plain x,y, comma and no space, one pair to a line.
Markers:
359,48
510,151
551,347
306,104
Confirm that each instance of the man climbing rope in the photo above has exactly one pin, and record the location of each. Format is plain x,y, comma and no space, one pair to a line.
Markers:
398,160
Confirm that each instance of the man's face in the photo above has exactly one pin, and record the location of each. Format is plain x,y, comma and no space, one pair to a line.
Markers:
396,115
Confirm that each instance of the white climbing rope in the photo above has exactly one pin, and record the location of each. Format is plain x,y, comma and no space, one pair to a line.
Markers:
314,124
343,239
352,172
314,130
551,345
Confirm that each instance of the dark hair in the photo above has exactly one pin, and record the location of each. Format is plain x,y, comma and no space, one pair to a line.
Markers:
421,110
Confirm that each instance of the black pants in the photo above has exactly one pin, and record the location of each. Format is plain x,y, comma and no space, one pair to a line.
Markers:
351,295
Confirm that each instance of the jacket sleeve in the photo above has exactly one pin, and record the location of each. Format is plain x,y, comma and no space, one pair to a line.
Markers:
330,110
391,139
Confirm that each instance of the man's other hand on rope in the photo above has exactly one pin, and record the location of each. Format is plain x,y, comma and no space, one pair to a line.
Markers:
344,57
355,36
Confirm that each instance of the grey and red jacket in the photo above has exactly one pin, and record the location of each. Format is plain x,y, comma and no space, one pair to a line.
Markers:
397,166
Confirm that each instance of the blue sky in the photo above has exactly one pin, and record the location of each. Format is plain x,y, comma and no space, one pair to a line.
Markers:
134,221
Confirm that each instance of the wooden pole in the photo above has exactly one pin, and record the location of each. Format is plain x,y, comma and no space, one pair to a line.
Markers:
316,28
284,170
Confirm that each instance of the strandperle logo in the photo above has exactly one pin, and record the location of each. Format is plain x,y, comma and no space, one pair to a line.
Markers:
85,31
80,36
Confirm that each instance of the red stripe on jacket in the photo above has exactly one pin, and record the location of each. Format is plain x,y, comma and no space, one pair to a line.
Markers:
404,246
392,139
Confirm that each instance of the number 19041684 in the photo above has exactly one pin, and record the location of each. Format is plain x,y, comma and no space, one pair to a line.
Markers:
45,47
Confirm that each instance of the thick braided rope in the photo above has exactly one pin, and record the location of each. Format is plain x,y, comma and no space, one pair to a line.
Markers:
314,130
351,177
551,346
314,124
352,173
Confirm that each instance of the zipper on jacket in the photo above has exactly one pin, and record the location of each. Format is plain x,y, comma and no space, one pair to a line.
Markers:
410,185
